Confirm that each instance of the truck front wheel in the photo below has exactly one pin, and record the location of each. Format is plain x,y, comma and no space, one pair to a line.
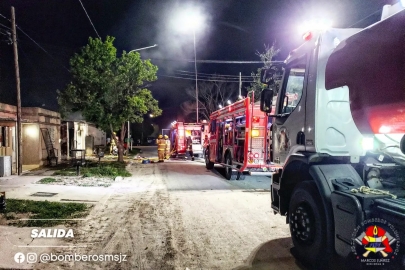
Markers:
229,174
308,224
208,164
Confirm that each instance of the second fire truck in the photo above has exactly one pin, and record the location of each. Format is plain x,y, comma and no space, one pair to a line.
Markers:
179,134
238,139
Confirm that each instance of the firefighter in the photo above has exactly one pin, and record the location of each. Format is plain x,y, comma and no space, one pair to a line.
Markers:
161,143
167,152
189,143
112,144
206,142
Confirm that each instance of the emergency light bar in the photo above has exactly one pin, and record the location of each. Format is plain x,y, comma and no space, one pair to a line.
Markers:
308,27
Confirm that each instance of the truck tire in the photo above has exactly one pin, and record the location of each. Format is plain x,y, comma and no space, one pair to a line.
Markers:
208,164
229,174
307,222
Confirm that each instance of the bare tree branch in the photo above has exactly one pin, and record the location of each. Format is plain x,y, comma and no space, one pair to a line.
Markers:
210,95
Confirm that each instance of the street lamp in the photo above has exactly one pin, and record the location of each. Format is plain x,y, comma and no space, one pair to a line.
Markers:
144,48
192,19
129,133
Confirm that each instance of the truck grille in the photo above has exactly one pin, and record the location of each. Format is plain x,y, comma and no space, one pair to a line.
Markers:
257,143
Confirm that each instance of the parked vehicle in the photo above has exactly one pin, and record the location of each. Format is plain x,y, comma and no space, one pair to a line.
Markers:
238,140
179,133
340,143
151,140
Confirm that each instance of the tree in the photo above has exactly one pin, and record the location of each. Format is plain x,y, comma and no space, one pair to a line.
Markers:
256,86
109,90
210,94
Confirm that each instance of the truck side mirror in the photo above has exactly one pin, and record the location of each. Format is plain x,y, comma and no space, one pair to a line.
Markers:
402,144
266,100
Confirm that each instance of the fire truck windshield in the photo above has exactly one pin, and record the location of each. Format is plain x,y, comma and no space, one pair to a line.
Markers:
294,87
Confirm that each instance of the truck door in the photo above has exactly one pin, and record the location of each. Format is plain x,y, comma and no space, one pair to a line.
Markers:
289,124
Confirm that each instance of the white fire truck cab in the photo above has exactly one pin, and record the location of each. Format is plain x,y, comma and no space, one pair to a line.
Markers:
339,139
238,140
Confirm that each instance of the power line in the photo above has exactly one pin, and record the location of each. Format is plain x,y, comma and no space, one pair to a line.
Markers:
214,61
33,65
41,48
5,26
36,43
212,74
207,80
90,19
211,77
1,15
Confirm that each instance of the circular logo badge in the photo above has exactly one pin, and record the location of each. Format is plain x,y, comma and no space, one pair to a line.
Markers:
375,242
19,257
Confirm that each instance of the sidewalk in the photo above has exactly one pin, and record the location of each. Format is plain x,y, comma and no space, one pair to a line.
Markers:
25,187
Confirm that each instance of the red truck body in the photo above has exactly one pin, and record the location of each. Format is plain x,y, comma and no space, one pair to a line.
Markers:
238,140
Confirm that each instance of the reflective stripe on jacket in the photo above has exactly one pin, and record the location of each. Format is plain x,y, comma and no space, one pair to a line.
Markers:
161,144
167,145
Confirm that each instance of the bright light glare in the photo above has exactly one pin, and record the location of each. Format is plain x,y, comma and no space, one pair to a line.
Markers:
255,133
320,25
188,20
220,106
403,3
384,129
229,102
368,143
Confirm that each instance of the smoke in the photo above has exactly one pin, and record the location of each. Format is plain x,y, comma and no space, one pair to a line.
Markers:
160,22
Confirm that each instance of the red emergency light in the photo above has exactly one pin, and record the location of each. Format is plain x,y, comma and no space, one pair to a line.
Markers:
307,36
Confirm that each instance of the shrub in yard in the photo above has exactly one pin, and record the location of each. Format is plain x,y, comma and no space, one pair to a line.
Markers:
106,170
47,180
44,210
109,169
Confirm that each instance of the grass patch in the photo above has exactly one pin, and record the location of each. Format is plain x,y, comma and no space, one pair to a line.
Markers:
110,169
94,169
66,172
48,180
17,209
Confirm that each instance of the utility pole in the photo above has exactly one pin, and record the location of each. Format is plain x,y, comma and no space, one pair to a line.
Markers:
17,77
240,84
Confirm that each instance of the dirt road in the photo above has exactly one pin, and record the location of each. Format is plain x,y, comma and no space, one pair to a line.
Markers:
178,215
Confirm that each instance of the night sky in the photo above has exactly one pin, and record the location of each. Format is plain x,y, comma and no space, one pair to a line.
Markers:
234,30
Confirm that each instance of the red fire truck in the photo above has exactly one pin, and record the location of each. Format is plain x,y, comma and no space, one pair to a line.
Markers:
181,131
238,140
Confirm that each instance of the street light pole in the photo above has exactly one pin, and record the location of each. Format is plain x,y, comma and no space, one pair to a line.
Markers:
144,48
129,133
196,78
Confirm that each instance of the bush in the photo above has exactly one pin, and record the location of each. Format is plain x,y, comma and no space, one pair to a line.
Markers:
44,210
47,180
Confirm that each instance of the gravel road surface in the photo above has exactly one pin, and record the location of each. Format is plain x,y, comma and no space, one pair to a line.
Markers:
179,215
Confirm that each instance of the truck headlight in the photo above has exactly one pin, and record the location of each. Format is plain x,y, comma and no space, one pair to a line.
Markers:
368,143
